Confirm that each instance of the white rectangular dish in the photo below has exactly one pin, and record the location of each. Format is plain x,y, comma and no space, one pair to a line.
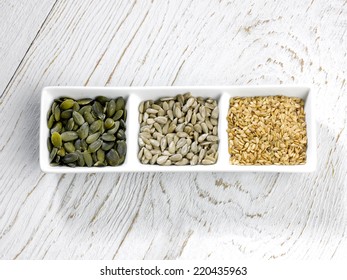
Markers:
134,96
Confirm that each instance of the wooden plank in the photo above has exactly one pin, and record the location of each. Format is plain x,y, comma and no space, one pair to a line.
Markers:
20,23
163,215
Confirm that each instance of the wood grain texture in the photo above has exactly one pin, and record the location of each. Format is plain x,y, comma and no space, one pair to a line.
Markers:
189,215
19,26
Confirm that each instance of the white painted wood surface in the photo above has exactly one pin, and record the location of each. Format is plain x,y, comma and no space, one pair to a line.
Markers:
163,215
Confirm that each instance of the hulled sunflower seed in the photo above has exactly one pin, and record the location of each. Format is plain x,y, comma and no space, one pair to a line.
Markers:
176,129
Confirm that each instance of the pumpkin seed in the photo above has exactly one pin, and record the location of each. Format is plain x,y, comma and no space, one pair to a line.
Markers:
88,117
61,152
67,114
71,157
67,104
69,147
102,99
109,123
108,137
121,134
118,115
112,157
87,159
120,103
106,146
83,131
57,127
70,124
93,147
95,126
98,110
50,121
53,154
93,137
111,108
121,148
80,160
84,101
49,144
78,118
69,136
115,128
100,154
56,139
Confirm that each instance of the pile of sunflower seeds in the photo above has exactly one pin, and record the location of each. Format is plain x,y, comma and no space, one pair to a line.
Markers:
87,132
178,130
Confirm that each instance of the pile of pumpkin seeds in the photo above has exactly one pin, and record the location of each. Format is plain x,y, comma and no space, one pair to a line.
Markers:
178,130
87,132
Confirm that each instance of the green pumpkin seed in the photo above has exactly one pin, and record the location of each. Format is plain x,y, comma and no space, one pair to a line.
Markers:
118,115
67,114
115,128
99,164
53,106
93,147
121,134
72,164
56,139
67,104
87,159
53,154
57,158
57,113
80,160
102,128
102,99
76,107
84,145
69,136
125,114
112,157
83,131
109,123
98,110
94,157
57,127
84,109
88,117
71,157
122,124
106,146
100,154
108,137
49,144
111,108
121,148
69,147
78,118
75,127
95,126
120,103
70,124
84,101
92,138
50,121
78,145
121,160
61,152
